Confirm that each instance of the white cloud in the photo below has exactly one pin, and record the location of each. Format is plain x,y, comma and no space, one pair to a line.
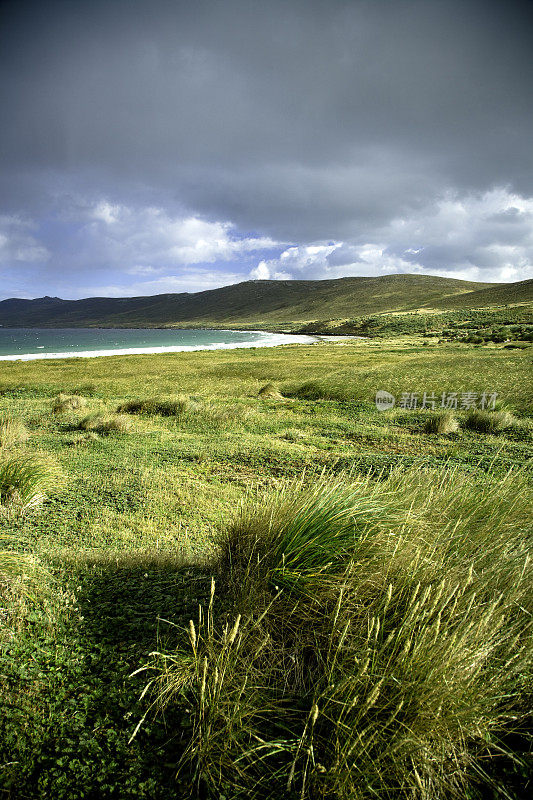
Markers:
317,261
488,236
294,260
120,250
17,243
263,272
196,280
117,249
122,235
483,237
106,212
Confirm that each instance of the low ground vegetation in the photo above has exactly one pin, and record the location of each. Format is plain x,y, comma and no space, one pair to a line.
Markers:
367,633
474,326
270,391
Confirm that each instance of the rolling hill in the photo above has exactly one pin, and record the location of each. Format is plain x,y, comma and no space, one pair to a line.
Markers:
499,294
266,303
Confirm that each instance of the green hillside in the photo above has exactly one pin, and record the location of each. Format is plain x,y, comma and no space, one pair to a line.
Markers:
265,302
499,294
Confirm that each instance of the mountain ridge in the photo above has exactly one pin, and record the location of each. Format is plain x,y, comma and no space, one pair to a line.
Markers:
265,302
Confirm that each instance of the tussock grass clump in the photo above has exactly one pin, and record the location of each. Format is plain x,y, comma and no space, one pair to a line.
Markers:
300,534
442,422
270,392
25,480
68,402
223,415
381,664
315,390
12,431
521,429
192,410
488,421
157,406
99,423
338,390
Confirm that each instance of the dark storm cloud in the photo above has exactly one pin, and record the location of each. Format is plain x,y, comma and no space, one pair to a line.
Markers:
300,121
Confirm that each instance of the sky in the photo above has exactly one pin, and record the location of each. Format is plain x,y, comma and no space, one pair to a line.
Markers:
172,146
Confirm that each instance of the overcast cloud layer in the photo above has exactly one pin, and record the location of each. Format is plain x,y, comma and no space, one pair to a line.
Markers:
160,146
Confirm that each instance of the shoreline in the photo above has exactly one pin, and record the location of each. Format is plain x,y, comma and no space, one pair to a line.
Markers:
271,340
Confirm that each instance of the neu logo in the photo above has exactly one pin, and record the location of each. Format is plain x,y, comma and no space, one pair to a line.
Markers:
384,400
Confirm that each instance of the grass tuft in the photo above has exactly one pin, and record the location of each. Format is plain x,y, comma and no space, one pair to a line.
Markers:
99,423
442,423
19,571
314,390
300,534
157,406
488,421
12,431
387,668
25,480
68,402
222,415
270,392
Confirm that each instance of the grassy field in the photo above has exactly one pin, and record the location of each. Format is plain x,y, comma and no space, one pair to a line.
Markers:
112,554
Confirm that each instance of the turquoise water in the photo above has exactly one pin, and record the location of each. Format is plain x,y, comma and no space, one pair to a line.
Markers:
38,343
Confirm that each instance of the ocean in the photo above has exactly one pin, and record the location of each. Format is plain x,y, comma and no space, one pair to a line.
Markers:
28,344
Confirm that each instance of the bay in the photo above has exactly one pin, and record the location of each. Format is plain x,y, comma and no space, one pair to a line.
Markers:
43,343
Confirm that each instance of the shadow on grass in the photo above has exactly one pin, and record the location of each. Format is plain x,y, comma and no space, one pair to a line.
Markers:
73,703
126,601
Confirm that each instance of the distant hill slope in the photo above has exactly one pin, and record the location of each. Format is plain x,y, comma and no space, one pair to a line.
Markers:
265,302
499,294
